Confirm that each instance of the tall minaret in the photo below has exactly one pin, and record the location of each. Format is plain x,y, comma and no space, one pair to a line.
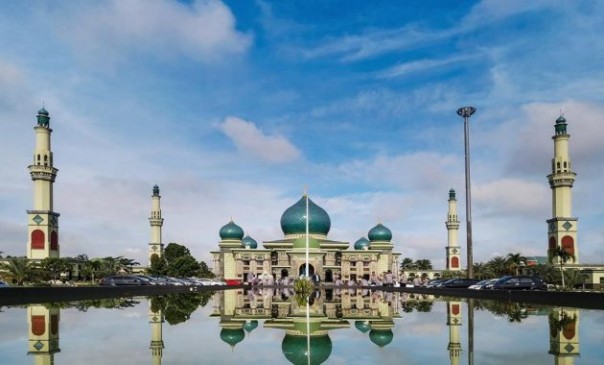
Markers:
562,227
42,222
454,324
43,336
156,247
452,223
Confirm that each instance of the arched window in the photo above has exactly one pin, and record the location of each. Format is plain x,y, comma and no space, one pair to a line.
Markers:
552,243
455,262
54,240
568,245
54,324
455,309
38,325
37,240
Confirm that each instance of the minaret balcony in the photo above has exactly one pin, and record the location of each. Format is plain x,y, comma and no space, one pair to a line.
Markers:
43,172
156,222
561,179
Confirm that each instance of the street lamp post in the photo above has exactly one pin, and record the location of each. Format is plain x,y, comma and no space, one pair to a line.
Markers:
465,112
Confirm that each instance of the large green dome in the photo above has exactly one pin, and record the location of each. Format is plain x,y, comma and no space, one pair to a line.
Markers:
381,337
232,336
361,243
231,231
293,220
379,233
249,242
295,349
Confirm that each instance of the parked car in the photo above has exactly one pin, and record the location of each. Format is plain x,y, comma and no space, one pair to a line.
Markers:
114,280
520,283
483,284
459,283
435,283
4,284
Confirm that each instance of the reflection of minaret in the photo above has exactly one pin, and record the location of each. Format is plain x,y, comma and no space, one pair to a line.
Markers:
454,324
156,318
156,247
453,251
564,335
43,223
43,333
562,227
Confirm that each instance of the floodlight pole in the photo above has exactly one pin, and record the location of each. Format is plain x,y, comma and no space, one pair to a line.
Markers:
465,112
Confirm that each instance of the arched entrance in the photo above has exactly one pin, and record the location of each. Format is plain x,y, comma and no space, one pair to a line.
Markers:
284,273
302,268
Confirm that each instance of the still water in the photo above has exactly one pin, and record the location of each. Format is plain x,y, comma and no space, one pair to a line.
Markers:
266,326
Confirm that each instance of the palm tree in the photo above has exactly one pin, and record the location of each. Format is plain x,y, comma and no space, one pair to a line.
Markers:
562,256
515,260
18,269
423,264
498,265
407,263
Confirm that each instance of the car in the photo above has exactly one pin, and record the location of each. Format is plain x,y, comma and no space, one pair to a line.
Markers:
435,283
520,283
114,280
459,283
4,284
483,284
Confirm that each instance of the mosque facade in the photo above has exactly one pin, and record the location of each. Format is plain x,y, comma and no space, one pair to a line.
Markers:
239,256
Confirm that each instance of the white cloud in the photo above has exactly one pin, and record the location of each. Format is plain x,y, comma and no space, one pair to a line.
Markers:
249,139
204,30
423,65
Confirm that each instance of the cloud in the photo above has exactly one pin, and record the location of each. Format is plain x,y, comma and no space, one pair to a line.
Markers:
249,139
203,30
423,65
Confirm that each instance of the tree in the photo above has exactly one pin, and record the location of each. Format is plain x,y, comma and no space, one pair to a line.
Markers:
18,269
515,260
55,266
91,268
407,263
562,256
159,266
498,265
174,250
204,270
423,264
183,266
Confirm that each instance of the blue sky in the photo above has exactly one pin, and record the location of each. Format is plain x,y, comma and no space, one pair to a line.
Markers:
233,107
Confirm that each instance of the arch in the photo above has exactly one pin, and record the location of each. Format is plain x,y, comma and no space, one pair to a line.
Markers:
302,268
455,262
569,330
568,245
455,309
274,258
284,273
37,240
552,243
328,276
38,325
54,324
338,258
54,240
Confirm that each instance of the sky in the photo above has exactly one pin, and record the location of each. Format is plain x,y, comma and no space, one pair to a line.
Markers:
233,107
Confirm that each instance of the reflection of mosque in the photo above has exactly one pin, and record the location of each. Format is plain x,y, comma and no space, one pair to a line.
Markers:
156,319
306,340
564,335
240,256
43,338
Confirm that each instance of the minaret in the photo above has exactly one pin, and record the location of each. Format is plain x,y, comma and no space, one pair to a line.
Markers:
562,227
452,223
156,247
156,319
454,324
42,222
564,335
43,336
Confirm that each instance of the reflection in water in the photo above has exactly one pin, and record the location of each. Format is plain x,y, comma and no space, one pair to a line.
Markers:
307,326
43,336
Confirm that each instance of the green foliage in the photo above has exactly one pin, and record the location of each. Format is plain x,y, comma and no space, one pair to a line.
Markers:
54,266
180,306
18,269
159,266
183,266
174,251
303,286
204,270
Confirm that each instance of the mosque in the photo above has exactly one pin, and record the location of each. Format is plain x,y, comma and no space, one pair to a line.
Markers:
239,256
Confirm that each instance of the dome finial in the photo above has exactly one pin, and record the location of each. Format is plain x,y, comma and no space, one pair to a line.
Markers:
305,191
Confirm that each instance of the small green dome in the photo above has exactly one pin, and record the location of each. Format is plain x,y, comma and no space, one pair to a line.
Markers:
43,111
300,243
295,349
231,231
293,220
249,326
379,233
43,118
362,326
155,190
560,120
381,337
232,336
361,243
249,242
452,194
